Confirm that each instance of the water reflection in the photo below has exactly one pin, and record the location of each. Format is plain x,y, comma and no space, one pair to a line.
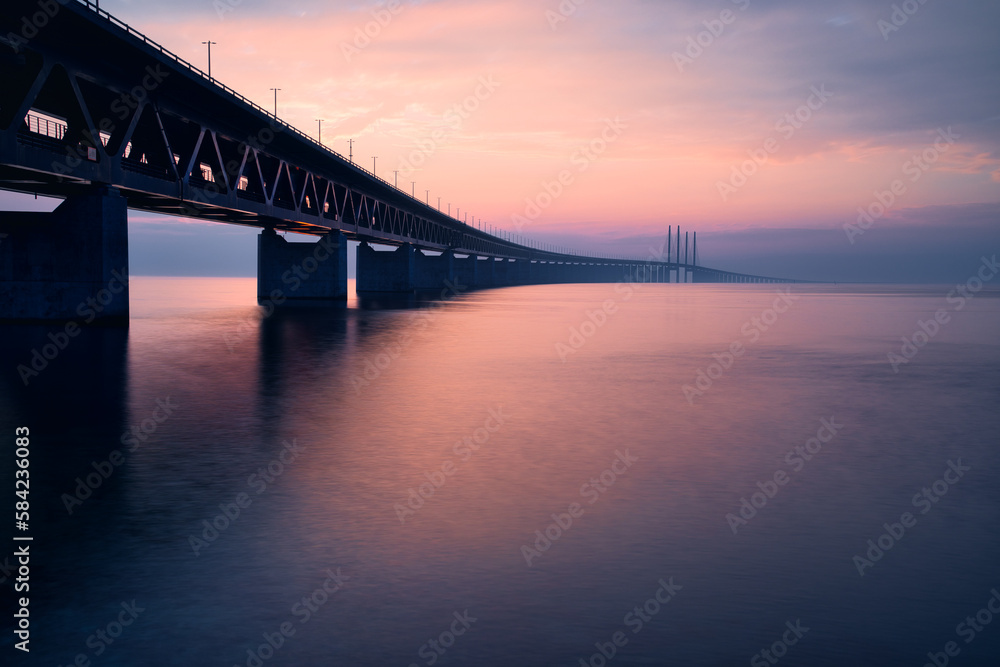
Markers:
330,422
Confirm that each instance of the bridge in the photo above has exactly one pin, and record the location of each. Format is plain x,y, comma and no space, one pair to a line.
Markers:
95,113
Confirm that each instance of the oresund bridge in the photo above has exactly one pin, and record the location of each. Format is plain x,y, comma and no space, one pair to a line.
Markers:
95,113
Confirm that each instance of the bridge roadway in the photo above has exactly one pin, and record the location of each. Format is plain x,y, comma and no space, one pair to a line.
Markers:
94,112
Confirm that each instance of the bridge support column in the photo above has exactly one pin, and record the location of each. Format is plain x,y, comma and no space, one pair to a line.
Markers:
432,274
501,272
386,272
301,273
71,264
519,272
465,271
485,272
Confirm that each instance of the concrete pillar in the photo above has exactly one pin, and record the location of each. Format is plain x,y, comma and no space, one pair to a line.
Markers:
386,272
486,272
466,272
71,264
301,273
433,273
501,273
518,272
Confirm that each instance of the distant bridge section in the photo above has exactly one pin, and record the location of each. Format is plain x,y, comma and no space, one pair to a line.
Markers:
94,112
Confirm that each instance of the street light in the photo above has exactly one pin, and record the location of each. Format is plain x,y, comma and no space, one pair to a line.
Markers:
275,101
350,156
209,57
395,178
374,157
319,136
414,192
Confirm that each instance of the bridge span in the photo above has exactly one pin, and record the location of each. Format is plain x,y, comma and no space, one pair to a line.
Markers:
95,113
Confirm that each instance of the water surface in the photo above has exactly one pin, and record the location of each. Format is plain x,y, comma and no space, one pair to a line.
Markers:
553,385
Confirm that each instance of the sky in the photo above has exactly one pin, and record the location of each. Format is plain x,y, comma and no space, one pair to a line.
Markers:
766,126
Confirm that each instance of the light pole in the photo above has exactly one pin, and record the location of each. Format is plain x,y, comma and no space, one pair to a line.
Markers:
350,155
428,202
275,101
209,57
319,136
374,157
395,178
414,192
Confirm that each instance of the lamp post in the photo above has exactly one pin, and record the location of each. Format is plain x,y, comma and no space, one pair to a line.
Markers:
275,101
319,135
350,155
374,157
209,57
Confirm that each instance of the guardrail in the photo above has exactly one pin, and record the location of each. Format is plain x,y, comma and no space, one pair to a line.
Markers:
95,8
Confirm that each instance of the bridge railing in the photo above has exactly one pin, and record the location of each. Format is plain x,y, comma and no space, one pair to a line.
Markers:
499,235
45,126
93,6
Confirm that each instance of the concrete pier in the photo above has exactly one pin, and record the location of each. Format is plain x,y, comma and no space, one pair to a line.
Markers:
466,271
70,264
301,273
433,273
382,272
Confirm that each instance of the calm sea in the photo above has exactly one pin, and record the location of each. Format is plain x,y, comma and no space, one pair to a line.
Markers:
544,475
